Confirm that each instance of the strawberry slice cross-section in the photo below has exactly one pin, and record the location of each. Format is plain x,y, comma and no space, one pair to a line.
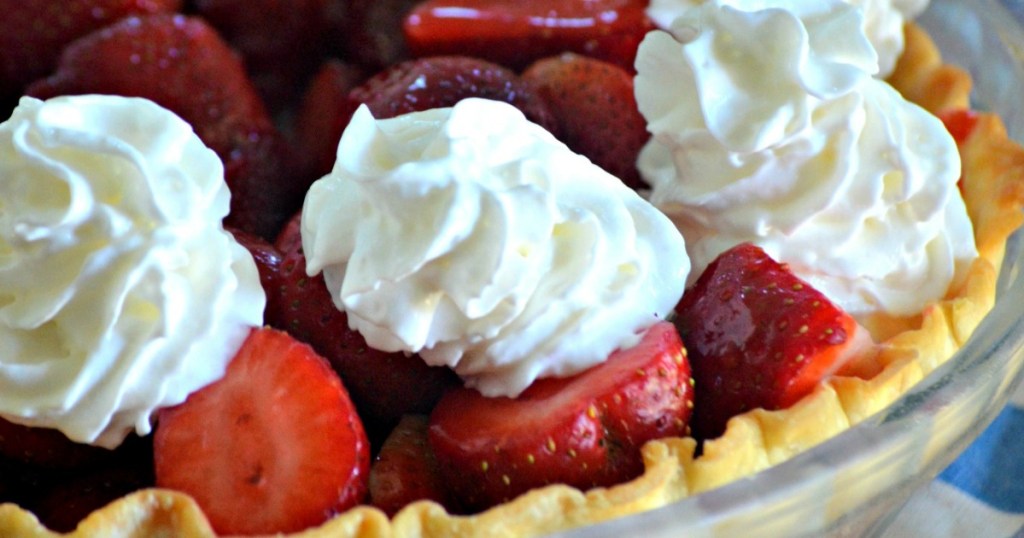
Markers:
584,431
274,446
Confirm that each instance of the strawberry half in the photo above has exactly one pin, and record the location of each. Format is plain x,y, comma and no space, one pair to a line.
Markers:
517,32
410,86
46,448
33,33
443,81
273,446
597,116
384,386
282,41
266,256
323,113
585,431
960,123
758,337
370,32
71,499
406,470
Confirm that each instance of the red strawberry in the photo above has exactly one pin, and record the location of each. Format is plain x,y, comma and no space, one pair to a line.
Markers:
584,431
960,123
266,256
758,336
282,41
62,487
324,113
273,446
7,107
517,32
412,86
33,33
371,31
384,386
45,448
406,469
25,485
445,80
70,500
183,64
593,102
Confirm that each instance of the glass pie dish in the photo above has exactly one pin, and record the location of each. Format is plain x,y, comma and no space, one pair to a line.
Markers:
854,483
848,485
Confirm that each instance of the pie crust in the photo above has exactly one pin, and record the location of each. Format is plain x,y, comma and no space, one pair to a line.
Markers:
992,166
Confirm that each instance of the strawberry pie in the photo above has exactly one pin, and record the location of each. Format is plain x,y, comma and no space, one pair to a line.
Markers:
467,267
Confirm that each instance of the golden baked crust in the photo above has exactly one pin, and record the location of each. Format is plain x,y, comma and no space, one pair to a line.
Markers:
754,441
922,78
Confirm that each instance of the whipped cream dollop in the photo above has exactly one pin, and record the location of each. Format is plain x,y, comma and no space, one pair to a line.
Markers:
796,147
473,237
120,291
882,24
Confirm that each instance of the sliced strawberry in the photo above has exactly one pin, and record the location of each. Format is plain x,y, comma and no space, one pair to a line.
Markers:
758,337
7,106
282,41
406,87
597,116
384,386
274,446
184,65
24,485
411,86
324,113
46,448
267,258
960,123
267,183
371,32
445,80
70,500
33,33
406,470
584,431
517,32
61,492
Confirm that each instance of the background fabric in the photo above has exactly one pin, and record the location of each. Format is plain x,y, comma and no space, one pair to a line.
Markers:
981,494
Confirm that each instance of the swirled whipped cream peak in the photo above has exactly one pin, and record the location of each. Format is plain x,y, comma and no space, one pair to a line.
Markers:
473,237
795,147
120,291
882,22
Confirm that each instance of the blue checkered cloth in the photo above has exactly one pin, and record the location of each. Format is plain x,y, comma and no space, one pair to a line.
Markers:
981,494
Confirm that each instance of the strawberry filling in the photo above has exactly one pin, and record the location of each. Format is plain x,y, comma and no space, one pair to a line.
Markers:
285,440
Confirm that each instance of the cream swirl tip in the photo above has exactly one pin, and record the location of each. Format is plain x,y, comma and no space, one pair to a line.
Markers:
796,148
120,291
474,238
882,22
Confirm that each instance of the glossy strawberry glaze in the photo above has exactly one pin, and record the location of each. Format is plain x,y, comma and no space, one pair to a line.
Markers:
517,33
